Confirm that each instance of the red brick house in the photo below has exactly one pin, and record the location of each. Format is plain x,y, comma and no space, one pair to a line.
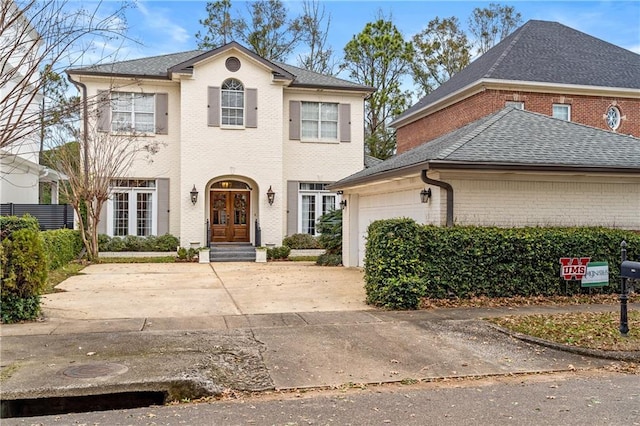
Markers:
543,67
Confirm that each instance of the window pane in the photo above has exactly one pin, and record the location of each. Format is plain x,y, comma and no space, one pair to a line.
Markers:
514,104
329,112
143,102
121,101
561,112
121,121
120,214
310,111
328,203
144,122
329,130
309,129
309,214
143,213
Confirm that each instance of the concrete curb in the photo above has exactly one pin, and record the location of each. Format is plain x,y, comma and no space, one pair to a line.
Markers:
628,356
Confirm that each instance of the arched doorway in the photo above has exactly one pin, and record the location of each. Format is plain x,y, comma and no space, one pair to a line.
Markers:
230,212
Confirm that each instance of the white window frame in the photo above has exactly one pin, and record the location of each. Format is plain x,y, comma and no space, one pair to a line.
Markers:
515,104
132,192
131,125
565,107
319,136
613,117
232,91
318,193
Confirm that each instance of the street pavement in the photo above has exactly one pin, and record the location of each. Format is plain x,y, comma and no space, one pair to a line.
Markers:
191,331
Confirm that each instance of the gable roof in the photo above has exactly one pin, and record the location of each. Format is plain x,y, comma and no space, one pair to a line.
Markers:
544,52
514,139
161,67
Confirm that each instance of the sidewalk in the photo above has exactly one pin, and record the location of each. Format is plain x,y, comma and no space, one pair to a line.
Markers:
194,330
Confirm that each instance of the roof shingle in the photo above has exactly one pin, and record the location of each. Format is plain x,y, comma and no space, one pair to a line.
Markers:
545,52
517,138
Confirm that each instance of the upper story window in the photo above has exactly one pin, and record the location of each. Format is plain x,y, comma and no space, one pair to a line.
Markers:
613,117
232,103
133,112
562,111
319,120
515,104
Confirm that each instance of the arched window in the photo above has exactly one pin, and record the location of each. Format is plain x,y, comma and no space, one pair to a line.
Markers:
613,118
232,103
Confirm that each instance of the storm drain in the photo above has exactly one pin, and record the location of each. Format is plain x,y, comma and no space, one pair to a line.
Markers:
85,403
79,404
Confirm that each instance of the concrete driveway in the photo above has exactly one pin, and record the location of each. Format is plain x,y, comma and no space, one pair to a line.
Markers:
180,290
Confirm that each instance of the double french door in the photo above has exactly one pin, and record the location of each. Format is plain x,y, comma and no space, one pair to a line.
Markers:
230,216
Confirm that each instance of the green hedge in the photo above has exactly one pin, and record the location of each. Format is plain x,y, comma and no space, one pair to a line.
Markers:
301,241
26,255
467,261
61,246
153,243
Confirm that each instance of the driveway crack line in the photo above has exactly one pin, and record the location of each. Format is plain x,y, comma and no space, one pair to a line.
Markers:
235,304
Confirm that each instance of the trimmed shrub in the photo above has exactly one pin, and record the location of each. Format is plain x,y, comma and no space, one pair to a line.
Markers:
61,246
278,253
24,275
326,259
153,243
301,241
9,224
468,261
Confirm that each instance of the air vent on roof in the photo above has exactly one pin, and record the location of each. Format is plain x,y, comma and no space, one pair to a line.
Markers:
232,64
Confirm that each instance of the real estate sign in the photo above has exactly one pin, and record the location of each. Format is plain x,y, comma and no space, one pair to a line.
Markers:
597,275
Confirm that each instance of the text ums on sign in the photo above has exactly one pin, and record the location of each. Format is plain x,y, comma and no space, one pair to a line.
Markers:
573,268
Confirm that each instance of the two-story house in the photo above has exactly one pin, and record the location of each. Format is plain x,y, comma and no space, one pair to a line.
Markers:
541,130
247,146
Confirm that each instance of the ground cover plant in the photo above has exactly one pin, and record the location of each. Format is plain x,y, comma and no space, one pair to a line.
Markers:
581,329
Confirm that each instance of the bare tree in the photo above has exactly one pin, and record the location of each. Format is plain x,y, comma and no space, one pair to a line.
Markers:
319,56
91,166
33,33
441,50
492,24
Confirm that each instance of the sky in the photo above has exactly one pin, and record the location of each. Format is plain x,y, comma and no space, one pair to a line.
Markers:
160,27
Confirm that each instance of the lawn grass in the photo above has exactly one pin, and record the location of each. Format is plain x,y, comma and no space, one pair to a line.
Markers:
583,329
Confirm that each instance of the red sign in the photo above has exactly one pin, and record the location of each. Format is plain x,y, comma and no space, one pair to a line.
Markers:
573,268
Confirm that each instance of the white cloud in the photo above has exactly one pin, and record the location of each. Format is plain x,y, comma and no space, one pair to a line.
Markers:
157,25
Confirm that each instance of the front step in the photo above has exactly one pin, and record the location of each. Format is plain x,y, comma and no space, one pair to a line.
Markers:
232,253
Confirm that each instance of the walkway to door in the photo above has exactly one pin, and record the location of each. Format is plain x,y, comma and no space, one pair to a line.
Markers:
180,290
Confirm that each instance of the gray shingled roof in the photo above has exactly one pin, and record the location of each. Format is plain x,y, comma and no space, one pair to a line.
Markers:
545,52
158,67
516,138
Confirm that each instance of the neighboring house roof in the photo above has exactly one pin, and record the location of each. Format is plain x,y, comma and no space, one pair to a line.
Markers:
543,52
370,161
514,139
161,67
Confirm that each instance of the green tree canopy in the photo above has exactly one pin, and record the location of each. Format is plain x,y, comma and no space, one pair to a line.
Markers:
379,57
441,50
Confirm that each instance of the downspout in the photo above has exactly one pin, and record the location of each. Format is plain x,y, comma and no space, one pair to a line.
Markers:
447,187
85,125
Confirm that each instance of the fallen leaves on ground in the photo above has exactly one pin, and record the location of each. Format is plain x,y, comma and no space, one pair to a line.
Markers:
484,302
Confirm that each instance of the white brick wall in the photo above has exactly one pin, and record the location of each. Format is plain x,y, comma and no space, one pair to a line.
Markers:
195,154
492,199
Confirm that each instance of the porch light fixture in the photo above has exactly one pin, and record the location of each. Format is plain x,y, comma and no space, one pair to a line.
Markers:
271,195
425,194
343,204
194,195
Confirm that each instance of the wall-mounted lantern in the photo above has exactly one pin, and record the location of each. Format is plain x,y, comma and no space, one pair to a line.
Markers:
271,196
194,195
425,194
343,204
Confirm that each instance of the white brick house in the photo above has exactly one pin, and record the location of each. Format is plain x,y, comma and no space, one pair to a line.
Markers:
234,126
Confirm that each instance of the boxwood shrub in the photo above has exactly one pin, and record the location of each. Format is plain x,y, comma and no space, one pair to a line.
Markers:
469,261
153,243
